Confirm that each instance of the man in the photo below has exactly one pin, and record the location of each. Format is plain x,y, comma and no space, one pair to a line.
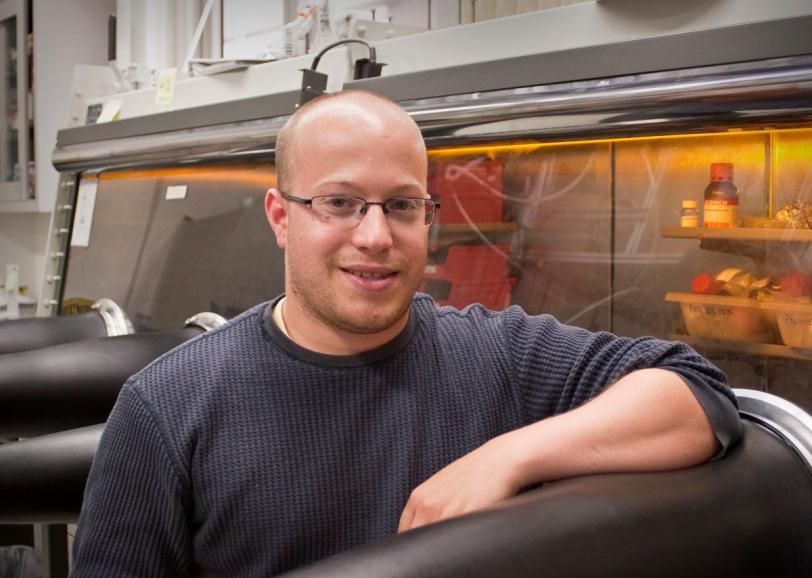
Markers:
349,408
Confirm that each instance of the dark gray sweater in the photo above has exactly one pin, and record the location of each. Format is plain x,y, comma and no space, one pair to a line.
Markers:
241,454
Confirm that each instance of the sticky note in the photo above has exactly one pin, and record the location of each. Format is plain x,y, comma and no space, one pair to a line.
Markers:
165,91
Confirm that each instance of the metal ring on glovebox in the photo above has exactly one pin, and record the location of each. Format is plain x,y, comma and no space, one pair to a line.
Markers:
115,320
205,320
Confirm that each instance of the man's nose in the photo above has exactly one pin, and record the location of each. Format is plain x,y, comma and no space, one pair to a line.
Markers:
373,232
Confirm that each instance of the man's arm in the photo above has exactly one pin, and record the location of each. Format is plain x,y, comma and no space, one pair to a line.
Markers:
648,420
133,520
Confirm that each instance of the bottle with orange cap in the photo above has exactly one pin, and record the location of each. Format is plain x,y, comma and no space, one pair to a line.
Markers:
721,206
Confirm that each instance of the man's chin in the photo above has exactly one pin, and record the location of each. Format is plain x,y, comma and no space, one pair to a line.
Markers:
367,318
368,326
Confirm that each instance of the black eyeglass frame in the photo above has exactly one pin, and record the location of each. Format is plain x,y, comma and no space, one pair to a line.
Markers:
362,211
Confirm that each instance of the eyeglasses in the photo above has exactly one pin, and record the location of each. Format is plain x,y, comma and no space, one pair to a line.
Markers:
347,212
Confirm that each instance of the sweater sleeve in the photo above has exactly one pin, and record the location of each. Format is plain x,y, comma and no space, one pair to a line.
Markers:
558,367
133,521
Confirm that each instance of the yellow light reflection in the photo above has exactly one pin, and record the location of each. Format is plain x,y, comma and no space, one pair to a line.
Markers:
243,173
794,148
804,146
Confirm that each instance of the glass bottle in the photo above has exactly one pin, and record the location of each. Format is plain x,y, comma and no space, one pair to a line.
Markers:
689,217
721,207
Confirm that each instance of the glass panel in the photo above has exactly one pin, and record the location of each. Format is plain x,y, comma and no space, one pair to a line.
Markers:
586,231
792,189
652,178
524,224
9,165
164,260
590,232
793,167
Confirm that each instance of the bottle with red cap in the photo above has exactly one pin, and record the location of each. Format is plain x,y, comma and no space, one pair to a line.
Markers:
721,207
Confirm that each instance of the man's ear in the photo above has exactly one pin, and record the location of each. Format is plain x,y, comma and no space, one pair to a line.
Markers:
277,214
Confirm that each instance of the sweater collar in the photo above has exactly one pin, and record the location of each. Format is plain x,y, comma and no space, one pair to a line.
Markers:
277,336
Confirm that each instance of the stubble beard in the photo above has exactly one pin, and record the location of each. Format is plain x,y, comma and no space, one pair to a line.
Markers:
325,306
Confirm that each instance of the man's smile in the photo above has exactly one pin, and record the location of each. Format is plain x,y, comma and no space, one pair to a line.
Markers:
369,273
370,278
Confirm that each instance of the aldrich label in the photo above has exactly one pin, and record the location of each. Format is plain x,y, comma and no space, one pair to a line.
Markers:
721,213
721,207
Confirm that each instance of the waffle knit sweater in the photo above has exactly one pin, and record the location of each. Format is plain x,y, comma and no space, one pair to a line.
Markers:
240,453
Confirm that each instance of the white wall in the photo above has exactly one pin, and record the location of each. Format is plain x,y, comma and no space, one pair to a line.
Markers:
249,26
253,28
156,34
66,33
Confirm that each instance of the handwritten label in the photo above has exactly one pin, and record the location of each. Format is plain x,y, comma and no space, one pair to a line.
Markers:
711,310
792,319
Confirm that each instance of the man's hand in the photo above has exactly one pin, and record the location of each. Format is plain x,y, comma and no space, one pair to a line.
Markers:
477,480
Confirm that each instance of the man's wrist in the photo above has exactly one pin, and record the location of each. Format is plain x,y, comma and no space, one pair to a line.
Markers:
515,451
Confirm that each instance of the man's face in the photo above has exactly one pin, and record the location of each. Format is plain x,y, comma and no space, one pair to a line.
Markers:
361,279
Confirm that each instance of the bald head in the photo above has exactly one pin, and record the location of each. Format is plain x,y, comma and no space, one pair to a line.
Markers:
357,108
